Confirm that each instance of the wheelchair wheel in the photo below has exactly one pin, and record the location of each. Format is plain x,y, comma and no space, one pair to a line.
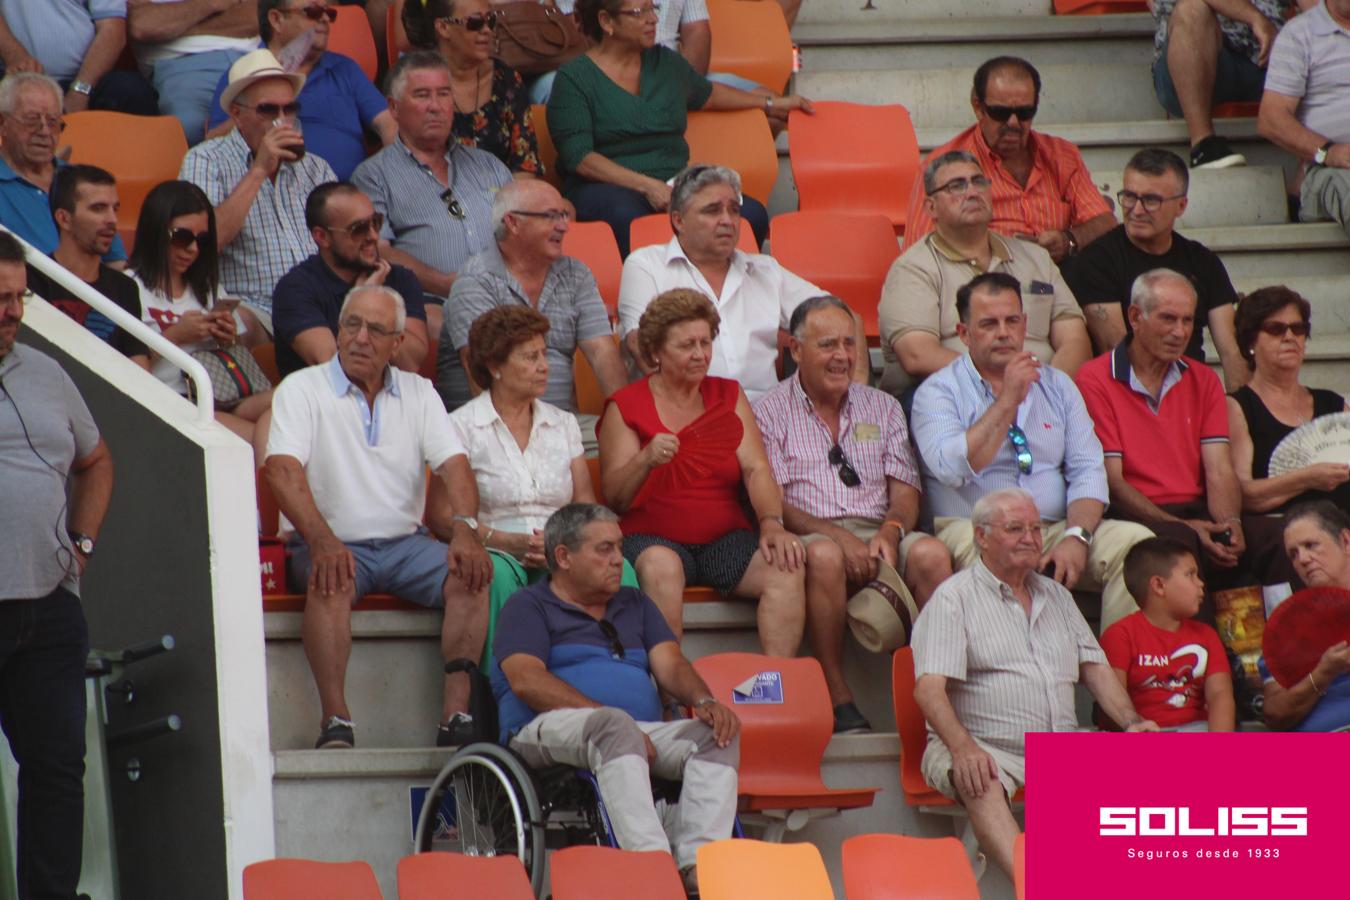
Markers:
494,811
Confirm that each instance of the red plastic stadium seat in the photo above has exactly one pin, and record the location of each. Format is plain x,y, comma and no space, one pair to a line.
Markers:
782,743
739,140
1099,7
1238,109
854,158
438,876
265,355
655,229
350,35
1020,866
847,255
606,873
548,154
306,879
593,243
141,151
751,39
895,867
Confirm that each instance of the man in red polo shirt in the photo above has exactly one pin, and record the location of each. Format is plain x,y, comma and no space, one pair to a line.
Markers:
1042,190
1163,428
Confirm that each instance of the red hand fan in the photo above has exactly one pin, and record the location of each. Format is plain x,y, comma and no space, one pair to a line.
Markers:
704,443
1302,628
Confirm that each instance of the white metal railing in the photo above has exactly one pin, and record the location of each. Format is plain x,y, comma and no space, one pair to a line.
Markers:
206,401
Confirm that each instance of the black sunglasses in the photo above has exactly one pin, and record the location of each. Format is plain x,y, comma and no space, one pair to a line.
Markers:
847,474
1004,113
276,110
1019,442
358,230
183,238
315,13
451,204
1278,329
612,634
476,22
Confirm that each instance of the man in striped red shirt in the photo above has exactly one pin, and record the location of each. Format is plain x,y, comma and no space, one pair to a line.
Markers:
841,452
1042,190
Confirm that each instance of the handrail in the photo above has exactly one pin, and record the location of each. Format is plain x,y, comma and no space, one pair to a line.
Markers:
206,400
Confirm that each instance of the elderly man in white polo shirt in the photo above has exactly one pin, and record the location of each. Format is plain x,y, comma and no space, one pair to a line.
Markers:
347,461
997,652
754,295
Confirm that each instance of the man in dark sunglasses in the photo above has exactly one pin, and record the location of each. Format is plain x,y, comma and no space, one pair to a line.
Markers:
998,417
338,102
1152,198
306,303
580,661
1041,189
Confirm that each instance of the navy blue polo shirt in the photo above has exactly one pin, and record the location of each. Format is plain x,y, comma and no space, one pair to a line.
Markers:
574,648
310,296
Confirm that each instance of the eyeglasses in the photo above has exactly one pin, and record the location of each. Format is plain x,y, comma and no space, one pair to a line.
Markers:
1018,529
1151,201
15,300
183,238
641,12
315,13
1019,442
553,215
475,22
1004,113
276,110
847,474
1279,329
360,229
451,204
354,324
612,635
958,186
36,122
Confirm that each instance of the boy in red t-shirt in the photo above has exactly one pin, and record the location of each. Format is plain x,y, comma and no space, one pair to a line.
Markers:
1174,668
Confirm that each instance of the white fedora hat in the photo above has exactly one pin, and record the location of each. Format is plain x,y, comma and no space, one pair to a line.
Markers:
253,67
882,614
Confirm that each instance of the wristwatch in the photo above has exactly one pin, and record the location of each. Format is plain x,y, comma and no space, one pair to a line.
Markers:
1071,240
467,520
82,87
83,543
1078,531
706,701
1320,157
768,104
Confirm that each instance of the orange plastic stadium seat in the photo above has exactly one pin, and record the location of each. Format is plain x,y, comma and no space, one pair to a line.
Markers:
593,243
846,254
606,873
913,730
782,743
655,229
265,355
751,39
742,869
739,140
141,151
1020,866
895,867
1237,109
590,398
1099,7
395,38
548,154
438,876
854,158
351,36
307,879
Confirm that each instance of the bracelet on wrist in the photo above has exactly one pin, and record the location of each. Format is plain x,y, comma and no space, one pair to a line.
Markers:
706,701
778,519
898,527
1318,690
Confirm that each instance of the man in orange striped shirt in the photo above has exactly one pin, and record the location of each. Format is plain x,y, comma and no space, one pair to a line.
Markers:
1042,190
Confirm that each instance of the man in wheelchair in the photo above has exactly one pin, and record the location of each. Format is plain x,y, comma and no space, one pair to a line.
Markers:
576,658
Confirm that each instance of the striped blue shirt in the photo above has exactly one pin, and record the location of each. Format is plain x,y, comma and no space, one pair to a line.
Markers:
1065,453
274,238
416,220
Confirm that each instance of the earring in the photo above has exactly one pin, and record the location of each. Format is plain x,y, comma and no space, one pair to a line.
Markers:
497,375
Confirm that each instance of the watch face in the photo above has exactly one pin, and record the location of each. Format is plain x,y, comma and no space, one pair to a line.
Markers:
84,545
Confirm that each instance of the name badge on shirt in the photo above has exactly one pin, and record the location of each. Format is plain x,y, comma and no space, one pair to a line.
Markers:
866,431
1041,287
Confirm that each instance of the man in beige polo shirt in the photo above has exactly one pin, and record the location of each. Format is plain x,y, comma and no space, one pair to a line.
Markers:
918,303
997,652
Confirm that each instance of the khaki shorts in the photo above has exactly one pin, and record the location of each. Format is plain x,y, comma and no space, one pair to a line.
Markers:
937,768
865,530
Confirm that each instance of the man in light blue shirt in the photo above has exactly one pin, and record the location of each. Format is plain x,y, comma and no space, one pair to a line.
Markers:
997,418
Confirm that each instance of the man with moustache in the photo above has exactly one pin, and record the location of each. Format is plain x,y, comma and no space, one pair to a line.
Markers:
918,313
1152,198
1042,190
84,208
305,305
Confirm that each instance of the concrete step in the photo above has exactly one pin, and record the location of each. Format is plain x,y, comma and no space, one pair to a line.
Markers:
316,793
394,677
890,43
939,98
1330,312
1271,252
819,12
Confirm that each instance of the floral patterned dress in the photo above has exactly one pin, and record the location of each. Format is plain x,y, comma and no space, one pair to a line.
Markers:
501,126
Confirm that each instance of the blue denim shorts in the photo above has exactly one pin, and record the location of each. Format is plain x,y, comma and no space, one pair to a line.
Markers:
412,568
1236,78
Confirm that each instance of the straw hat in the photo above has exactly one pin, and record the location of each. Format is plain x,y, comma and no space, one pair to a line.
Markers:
252,68
882,614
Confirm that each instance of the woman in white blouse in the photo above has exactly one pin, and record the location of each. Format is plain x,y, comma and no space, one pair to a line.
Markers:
525,453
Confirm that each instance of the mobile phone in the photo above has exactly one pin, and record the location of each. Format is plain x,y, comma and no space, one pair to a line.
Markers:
1224,537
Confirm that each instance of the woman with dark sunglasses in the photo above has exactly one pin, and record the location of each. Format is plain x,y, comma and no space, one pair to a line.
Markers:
491,104
1273,325
175,263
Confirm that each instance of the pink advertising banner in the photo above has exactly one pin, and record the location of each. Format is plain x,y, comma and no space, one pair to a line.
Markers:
1187,815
